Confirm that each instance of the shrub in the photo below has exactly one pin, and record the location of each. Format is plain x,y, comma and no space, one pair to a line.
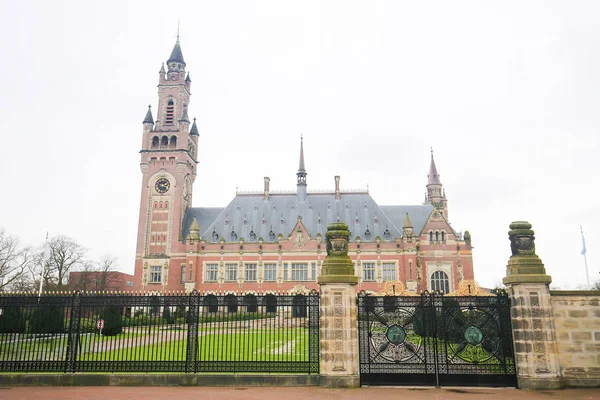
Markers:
47,319
169,318
112,321
12,321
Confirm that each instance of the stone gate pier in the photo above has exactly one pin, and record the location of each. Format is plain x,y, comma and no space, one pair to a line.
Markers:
556,334
338,315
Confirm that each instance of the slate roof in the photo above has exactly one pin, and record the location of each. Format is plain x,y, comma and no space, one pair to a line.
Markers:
148,118
176,54
251,213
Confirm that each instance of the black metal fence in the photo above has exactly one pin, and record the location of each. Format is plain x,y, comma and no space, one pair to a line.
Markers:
79,332
436,340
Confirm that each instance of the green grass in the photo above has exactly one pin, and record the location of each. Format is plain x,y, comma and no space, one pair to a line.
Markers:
30,348
272,345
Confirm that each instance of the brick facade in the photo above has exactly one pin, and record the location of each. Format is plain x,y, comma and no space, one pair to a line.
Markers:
234,249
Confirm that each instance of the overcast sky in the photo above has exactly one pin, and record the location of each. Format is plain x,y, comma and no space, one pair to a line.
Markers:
506,92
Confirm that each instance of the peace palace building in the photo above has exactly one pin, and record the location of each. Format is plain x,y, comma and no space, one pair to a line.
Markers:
266,242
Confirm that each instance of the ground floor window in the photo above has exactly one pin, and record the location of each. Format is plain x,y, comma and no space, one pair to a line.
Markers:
368,271
270,272
231,272
300,272
389,271
212,272
155,274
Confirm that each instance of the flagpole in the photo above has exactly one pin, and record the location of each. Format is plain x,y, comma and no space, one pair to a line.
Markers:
44,262
584,253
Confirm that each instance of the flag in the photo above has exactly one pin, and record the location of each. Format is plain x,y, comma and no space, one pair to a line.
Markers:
583,249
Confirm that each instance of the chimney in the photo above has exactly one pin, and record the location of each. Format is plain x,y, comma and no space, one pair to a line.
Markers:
337,187
267,181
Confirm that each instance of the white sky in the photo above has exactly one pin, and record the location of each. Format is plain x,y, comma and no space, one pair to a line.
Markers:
507,93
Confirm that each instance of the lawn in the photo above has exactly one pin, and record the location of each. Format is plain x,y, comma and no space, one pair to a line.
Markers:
257,345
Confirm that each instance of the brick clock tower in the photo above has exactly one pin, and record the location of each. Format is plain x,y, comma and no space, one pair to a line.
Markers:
168,164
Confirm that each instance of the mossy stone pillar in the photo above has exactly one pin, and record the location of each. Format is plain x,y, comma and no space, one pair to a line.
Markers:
534,333
338,320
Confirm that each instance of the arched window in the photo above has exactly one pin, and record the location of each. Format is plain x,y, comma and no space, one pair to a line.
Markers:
173,141
164,141
251,303
271,236
211,304
443,236
155,141
270,303
439,281
231,303
170,113
437,236
431,236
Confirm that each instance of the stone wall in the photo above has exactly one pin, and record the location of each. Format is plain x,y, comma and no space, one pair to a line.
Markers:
577,321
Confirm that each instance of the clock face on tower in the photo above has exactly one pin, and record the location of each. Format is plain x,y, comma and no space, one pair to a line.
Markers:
162,185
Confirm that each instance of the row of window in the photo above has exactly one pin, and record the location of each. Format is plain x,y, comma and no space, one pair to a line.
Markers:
437,236
388,271
299,272
164,141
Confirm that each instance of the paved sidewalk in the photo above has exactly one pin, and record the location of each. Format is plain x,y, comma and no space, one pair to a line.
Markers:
285,393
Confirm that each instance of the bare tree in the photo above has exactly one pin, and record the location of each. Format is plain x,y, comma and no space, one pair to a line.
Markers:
83,279
98,276
596,285
14,259
65,255
107,279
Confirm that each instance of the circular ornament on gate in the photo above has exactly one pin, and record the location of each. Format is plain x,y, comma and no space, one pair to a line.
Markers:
396,334
473,335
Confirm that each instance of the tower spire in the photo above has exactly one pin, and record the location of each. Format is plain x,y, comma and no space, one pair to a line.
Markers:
176,54
433,176
301,168
435,192
301,174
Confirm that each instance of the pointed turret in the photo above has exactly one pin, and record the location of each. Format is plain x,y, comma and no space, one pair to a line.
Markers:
435,194
407,222
433,176
407,228
148,119
184,114
194,129
301,174
194,233
187,78
176,54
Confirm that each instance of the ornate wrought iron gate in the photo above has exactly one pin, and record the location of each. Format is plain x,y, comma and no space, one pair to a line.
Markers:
435,340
